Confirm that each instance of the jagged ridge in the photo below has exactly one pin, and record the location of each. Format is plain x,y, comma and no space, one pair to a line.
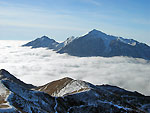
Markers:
97,99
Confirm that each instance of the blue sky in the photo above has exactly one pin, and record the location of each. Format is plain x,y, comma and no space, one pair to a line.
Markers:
59,19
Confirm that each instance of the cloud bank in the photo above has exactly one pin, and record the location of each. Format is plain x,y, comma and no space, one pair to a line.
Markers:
40,66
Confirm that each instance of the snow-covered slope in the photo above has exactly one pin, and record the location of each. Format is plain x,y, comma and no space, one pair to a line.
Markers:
29,100
97,43
64,86
63,44
108,38
54,87
74,96
68,40
2,89
72,87
44,41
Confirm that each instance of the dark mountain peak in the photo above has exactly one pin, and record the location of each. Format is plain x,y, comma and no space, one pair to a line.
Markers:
44,38
5,74
44,41
2,71
95,29
96,32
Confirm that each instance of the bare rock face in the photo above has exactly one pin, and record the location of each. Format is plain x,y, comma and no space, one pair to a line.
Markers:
71,96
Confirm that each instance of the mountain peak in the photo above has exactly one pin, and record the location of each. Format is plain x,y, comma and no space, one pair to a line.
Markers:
44,41
67,78
5,74
44,38
3,71
96,32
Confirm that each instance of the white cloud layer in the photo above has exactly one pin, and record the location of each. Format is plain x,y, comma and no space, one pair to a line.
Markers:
40,66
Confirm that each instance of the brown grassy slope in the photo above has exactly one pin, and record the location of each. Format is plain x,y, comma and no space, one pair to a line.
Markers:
54,86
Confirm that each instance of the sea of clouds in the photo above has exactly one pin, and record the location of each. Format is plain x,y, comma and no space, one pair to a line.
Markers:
40,66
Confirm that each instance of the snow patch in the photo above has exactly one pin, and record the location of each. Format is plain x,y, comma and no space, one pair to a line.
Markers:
55,108
108,38
2,89
8,110
73,86
120,107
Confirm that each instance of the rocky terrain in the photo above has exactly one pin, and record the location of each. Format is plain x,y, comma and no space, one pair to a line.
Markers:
67,96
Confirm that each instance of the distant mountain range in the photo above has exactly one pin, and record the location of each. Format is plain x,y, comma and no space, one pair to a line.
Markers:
67,96
95,43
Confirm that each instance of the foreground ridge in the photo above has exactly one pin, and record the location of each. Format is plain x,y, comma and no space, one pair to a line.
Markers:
69,96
